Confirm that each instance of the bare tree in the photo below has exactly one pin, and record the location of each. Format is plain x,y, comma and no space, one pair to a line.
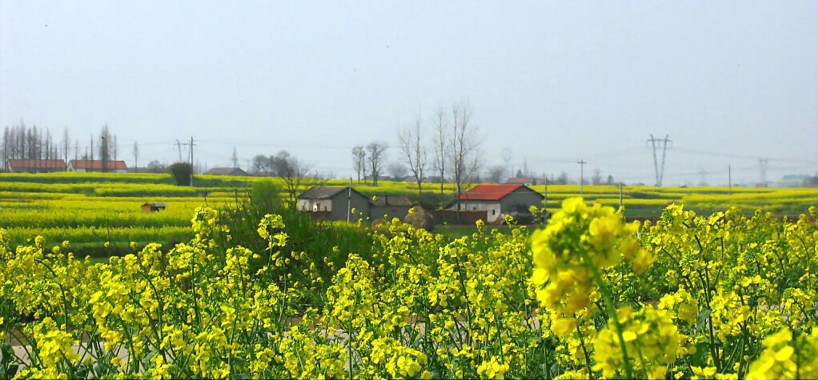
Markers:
66,146
441,154
495,173
260,164
294,174
114,146
104,148
359,161
596,179
396,170
414,152
136,157
463,148
282,164
562,179
6,147
375,158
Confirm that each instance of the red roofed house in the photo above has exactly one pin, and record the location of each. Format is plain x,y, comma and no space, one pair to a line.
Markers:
498,200
35,166
96,166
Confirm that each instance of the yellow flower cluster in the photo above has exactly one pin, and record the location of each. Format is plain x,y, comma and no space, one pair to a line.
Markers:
651,339
787,358
578,240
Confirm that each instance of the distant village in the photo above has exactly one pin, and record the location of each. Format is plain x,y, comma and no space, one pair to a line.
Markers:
29,149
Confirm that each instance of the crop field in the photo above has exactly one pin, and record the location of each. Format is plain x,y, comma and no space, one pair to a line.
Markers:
588,295
100,214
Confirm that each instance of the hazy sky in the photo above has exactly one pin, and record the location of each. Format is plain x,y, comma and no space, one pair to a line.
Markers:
728,81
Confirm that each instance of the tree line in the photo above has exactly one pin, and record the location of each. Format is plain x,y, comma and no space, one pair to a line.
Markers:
22,142
451,153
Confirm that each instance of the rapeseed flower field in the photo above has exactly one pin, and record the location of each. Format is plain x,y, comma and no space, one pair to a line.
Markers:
587,295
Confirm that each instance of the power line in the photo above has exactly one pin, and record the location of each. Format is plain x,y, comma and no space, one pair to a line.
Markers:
741,156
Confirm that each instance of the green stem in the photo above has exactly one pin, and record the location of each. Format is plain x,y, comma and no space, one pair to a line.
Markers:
608,300
585,352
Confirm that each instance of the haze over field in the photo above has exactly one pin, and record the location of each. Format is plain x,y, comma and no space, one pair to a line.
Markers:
729,82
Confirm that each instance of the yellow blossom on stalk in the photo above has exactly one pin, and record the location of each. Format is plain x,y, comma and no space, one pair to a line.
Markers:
705,372
578,240
269,223
729,314
651,338
480,224
785,357
161,369
53,344
682,303
578,374
564,326
491,369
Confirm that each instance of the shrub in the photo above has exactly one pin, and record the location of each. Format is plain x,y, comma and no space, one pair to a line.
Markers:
182,173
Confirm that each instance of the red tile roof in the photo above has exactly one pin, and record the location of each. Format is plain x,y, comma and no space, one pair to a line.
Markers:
37,164
97,165
488,192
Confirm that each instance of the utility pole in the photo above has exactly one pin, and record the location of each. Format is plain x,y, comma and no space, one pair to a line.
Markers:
762,163
653,141
190,150
581,163
545,191
349,200
620,195
179,147
730,179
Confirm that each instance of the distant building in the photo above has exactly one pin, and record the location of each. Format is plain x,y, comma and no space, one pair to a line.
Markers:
527,181
84,166
35,166
387,207
498,200
153,206
227,171
334,203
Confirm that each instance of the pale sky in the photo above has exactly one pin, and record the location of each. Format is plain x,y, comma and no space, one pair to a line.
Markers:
729,82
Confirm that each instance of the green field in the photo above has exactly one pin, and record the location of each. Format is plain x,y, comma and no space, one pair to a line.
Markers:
90,209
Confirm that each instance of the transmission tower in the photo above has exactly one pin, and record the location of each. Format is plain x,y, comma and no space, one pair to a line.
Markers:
655,144
762,163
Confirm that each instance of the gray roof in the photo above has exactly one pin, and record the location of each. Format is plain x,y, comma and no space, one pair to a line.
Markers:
385,200
320,192
226,171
